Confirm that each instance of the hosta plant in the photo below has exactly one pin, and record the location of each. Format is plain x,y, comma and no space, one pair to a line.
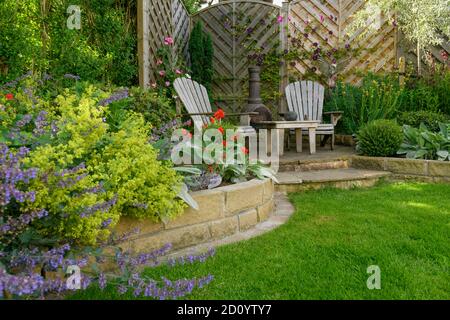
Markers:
421,143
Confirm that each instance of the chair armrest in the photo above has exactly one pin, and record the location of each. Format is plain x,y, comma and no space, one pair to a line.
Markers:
335,116
196,114
244,121
334,112
242,114
212,113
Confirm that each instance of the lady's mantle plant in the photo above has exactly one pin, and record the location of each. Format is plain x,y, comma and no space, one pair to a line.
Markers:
89,172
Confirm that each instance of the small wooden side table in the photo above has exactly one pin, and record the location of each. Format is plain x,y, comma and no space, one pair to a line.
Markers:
280,126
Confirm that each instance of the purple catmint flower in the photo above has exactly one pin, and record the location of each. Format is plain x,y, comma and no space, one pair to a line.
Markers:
74,170
190,259
12,175
40,123
102,207
24,121
13,84
102,281
142,206
117,96
106,223
123,237
72,76
121,289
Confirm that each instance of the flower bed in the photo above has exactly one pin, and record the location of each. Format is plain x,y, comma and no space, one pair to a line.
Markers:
222,212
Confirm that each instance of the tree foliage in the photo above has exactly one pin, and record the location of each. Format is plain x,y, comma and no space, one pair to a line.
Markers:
425,22
34,36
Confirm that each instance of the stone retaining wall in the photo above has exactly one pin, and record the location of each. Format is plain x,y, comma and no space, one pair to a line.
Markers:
424,170
222,212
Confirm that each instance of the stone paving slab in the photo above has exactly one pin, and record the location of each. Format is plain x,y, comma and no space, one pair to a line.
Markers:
329,175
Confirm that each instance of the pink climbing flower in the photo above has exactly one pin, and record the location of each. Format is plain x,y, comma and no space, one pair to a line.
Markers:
162,73
178,71
153,85
159,62
168,41
167,83
280,19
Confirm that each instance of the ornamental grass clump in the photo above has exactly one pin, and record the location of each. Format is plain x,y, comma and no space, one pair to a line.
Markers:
380,138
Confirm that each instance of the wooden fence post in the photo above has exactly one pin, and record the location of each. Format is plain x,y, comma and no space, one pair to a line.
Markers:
284,45
402,70
143,21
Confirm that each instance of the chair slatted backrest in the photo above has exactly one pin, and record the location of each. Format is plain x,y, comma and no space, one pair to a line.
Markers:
195,98
306,99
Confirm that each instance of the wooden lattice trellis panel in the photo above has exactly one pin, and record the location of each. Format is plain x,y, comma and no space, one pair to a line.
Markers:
330,19
237,28
157,20
380,43
181,28
160,17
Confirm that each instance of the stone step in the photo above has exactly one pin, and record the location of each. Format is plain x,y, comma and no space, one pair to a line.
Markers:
314,165
346,178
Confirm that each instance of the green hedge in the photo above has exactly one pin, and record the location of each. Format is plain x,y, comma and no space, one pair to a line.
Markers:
105,49
428,118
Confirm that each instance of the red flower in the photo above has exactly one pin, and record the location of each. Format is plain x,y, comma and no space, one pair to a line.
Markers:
244,150
212,120
221,130
184,132
9,96
219,114
224,143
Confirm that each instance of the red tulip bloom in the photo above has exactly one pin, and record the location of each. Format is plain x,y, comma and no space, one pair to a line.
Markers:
244,150
220,114
221,130
9,96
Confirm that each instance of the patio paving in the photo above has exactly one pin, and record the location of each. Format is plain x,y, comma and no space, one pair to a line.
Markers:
323,154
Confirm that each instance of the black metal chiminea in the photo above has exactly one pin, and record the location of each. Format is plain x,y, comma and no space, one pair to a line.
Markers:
255,103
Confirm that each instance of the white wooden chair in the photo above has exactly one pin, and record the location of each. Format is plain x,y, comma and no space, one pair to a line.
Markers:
306,99
195,98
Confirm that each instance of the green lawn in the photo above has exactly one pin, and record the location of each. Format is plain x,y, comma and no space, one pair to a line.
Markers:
324,250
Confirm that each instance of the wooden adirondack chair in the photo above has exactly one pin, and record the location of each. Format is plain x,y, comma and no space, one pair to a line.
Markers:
306,99
195,98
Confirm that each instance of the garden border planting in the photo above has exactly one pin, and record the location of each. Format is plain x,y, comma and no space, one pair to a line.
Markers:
222,212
